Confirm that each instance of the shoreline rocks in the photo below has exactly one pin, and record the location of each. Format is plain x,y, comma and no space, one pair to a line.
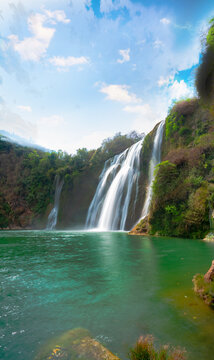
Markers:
204,286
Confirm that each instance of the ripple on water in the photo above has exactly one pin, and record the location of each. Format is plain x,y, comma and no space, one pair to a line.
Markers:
116,286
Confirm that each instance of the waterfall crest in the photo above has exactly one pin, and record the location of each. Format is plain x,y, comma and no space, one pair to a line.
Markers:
155,160
52,218
118,183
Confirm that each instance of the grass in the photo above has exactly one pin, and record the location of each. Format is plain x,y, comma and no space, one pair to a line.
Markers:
144,349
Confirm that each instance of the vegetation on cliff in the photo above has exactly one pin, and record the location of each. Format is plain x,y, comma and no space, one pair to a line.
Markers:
183,190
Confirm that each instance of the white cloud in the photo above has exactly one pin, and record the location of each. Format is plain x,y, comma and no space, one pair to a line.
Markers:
146,116
24,108
57,15
165,21
158,44
119,93
35,47
106,6
65,62
125,56
179,90
165,81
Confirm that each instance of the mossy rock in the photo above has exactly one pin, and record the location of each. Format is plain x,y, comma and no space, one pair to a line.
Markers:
142,228
73,344
204,289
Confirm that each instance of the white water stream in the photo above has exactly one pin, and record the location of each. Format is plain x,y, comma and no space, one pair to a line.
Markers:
52,218
155,160
118,183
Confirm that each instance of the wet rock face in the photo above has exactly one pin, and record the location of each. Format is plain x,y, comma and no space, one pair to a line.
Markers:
209,276
75,344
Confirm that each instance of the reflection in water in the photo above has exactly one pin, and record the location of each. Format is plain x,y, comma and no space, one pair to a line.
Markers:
115,285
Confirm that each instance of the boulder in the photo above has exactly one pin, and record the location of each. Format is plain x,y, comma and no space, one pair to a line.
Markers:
209,276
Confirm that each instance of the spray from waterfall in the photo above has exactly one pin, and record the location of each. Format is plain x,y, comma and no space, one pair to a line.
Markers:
155,160
118,183
52,218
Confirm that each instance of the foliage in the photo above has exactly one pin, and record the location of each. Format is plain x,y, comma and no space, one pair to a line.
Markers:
144,350
204,289
117,144
210,35
205,72
5,212
182,197
178,128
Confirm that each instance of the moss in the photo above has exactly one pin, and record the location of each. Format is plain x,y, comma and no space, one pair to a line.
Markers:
204,289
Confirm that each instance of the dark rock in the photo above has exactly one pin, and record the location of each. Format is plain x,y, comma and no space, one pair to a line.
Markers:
209,276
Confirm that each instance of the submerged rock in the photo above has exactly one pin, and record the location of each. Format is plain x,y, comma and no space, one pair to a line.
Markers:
73,344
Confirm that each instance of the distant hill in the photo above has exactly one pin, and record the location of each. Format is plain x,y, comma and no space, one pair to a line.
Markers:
21,141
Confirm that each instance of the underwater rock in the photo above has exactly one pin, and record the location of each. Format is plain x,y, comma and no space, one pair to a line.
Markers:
73,344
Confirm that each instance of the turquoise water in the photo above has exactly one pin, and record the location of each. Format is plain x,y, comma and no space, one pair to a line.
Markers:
115,285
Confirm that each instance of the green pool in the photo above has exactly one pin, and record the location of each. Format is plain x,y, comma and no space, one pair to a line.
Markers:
115,285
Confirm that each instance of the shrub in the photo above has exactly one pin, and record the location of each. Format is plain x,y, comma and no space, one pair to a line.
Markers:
185,107
144,350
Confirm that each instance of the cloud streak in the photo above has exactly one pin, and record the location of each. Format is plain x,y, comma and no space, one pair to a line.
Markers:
66,62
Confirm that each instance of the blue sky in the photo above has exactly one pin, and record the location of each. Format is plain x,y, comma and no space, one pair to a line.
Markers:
75,72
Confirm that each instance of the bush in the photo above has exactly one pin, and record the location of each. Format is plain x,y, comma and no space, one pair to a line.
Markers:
119,143
185,107
144,350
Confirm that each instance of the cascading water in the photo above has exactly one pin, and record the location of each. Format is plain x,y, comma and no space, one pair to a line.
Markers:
118,182
155,160
52,218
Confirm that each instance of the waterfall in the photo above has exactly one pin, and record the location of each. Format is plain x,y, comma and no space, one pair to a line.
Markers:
52,218
118,183
155,160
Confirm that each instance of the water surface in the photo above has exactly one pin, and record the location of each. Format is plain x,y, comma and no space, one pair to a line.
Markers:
115,285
